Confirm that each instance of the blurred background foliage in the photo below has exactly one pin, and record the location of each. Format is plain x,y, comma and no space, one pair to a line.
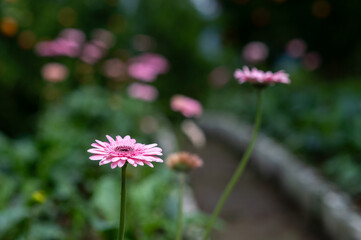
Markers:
50,190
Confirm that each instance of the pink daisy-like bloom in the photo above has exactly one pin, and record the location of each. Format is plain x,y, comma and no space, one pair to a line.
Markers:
189,107
260,77
121,150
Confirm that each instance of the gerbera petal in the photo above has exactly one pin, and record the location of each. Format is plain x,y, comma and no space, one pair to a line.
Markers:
96,157
101,143
115,159
121,163
150,145
113,165
153,153
153,159
139,162
93,150
96,145
110,139
105,161
148,163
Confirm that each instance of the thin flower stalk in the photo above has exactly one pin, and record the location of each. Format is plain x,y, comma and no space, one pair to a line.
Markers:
123,194
242,165
180,207
183,163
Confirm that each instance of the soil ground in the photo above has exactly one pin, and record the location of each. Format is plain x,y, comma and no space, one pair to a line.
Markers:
256,209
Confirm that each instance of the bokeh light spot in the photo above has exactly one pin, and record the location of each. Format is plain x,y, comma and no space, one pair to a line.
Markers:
296,48
219,76
255,52
321,9
67,16
9,26
26,39
312,61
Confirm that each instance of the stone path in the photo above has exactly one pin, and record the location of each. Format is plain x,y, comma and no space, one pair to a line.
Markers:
256,210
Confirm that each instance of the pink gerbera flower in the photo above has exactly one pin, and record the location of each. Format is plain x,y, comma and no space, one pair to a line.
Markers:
260,77
118,152
189,107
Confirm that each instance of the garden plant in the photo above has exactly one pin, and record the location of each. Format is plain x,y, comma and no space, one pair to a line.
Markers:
75,71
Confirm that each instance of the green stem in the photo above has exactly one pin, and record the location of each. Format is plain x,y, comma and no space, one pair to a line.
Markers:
239,169
122,204
28,226
180,207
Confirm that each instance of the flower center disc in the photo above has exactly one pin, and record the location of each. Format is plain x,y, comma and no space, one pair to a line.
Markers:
123,149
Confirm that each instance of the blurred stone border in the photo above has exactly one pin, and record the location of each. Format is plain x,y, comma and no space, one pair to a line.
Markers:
312,192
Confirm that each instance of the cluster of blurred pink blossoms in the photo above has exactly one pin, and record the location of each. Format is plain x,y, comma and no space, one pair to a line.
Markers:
256,52
260,77
145,67
71,43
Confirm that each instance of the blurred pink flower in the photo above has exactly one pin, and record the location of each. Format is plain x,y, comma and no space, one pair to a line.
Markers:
114,68
54,72
143,91
183,161
296,48
147,67
91,53
64,47
312,61
67,44
189,107
260,77
57,47
103,38
73,34
142,71
118,152
255,52
219,76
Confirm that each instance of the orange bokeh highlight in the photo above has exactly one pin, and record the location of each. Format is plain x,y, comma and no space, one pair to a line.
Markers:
8,26
321,9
